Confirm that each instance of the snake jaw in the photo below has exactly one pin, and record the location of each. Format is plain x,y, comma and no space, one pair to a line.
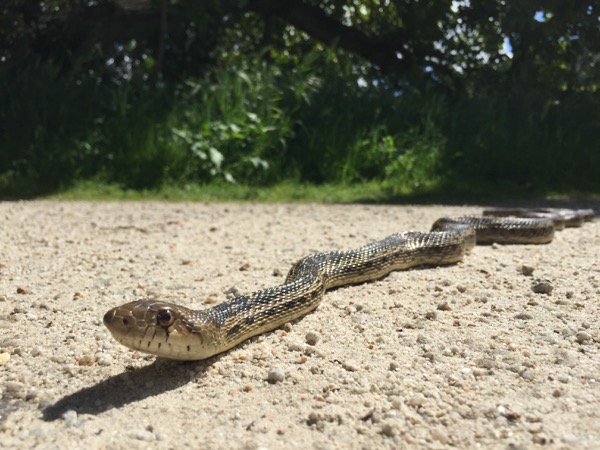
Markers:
162,329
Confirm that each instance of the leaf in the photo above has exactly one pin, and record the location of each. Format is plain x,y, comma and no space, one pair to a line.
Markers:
215,157
228,177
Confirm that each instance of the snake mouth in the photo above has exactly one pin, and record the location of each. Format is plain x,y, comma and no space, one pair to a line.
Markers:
117,323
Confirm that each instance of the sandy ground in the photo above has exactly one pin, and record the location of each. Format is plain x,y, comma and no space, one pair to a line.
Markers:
465,356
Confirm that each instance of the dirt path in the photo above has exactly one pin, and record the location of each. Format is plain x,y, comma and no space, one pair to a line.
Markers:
460,356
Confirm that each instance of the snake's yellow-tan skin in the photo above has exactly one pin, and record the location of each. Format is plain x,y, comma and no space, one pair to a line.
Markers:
176,332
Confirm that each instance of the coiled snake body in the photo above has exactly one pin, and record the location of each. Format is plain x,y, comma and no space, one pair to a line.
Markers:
173,331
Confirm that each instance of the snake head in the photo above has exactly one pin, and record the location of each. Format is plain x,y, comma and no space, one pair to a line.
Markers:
162,329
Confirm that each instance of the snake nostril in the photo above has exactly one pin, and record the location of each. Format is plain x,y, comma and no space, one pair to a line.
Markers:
125,321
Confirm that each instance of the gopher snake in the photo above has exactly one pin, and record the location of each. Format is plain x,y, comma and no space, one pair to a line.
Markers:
177,332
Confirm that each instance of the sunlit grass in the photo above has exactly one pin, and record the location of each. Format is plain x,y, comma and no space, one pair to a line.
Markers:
284,192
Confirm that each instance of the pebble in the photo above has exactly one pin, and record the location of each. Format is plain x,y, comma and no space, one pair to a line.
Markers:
542,287
527,270
566,358
15,389
486,363
70,418
312,338
104,359
389,429
569,438
524,316
421,339
141,435
350,366
314,417
295,346
416,400
275,375
86,360
527,374
4,358
583,337
233,292
440,435
444,306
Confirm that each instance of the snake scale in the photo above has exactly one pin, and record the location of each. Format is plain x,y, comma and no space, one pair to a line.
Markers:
172,331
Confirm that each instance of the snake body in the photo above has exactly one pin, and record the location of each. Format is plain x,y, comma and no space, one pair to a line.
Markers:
176,332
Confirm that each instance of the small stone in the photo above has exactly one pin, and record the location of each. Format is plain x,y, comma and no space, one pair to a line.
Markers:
542,287
486,363
539,439
421,339
394,366
569,438
23,290
86,360
15,389
389,429
244,267
70,418
527,270
444,306
524,316
233,292
104,359
4,358
527,374
583,337
275,375
557,393
295,346
416,400
569,294
36,351
141,435
314,417
462,289
431,315
566,358
311,338
440,435
350,366
210,299
277,272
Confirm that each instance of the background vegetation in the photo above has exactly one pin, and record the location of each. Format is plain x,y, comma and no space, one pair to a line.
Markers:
386,97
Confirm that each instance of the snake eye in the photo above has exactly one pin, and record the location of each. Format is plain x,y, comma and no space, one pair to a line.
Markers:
165,317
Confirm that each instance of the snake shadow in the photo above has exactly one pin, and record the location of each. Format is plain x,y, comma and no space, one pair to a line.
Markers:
128,387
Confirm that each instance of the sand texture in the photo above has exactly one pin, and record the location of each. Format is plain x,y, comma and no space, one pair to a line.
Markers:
498,351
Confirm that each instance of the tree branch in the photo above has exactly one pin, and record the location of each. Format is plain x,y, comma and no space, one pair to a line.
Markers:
321,27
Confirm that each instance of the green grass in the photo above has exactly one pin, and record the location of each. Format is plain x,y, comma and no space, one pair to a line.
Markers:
371,192
287,192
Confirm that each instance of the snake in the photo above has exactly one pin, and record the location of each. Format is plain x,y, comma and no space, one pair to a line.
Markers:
173,331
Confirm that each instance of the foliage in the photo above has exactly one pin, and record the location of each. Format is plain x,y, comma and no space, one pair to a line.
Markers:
413,96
